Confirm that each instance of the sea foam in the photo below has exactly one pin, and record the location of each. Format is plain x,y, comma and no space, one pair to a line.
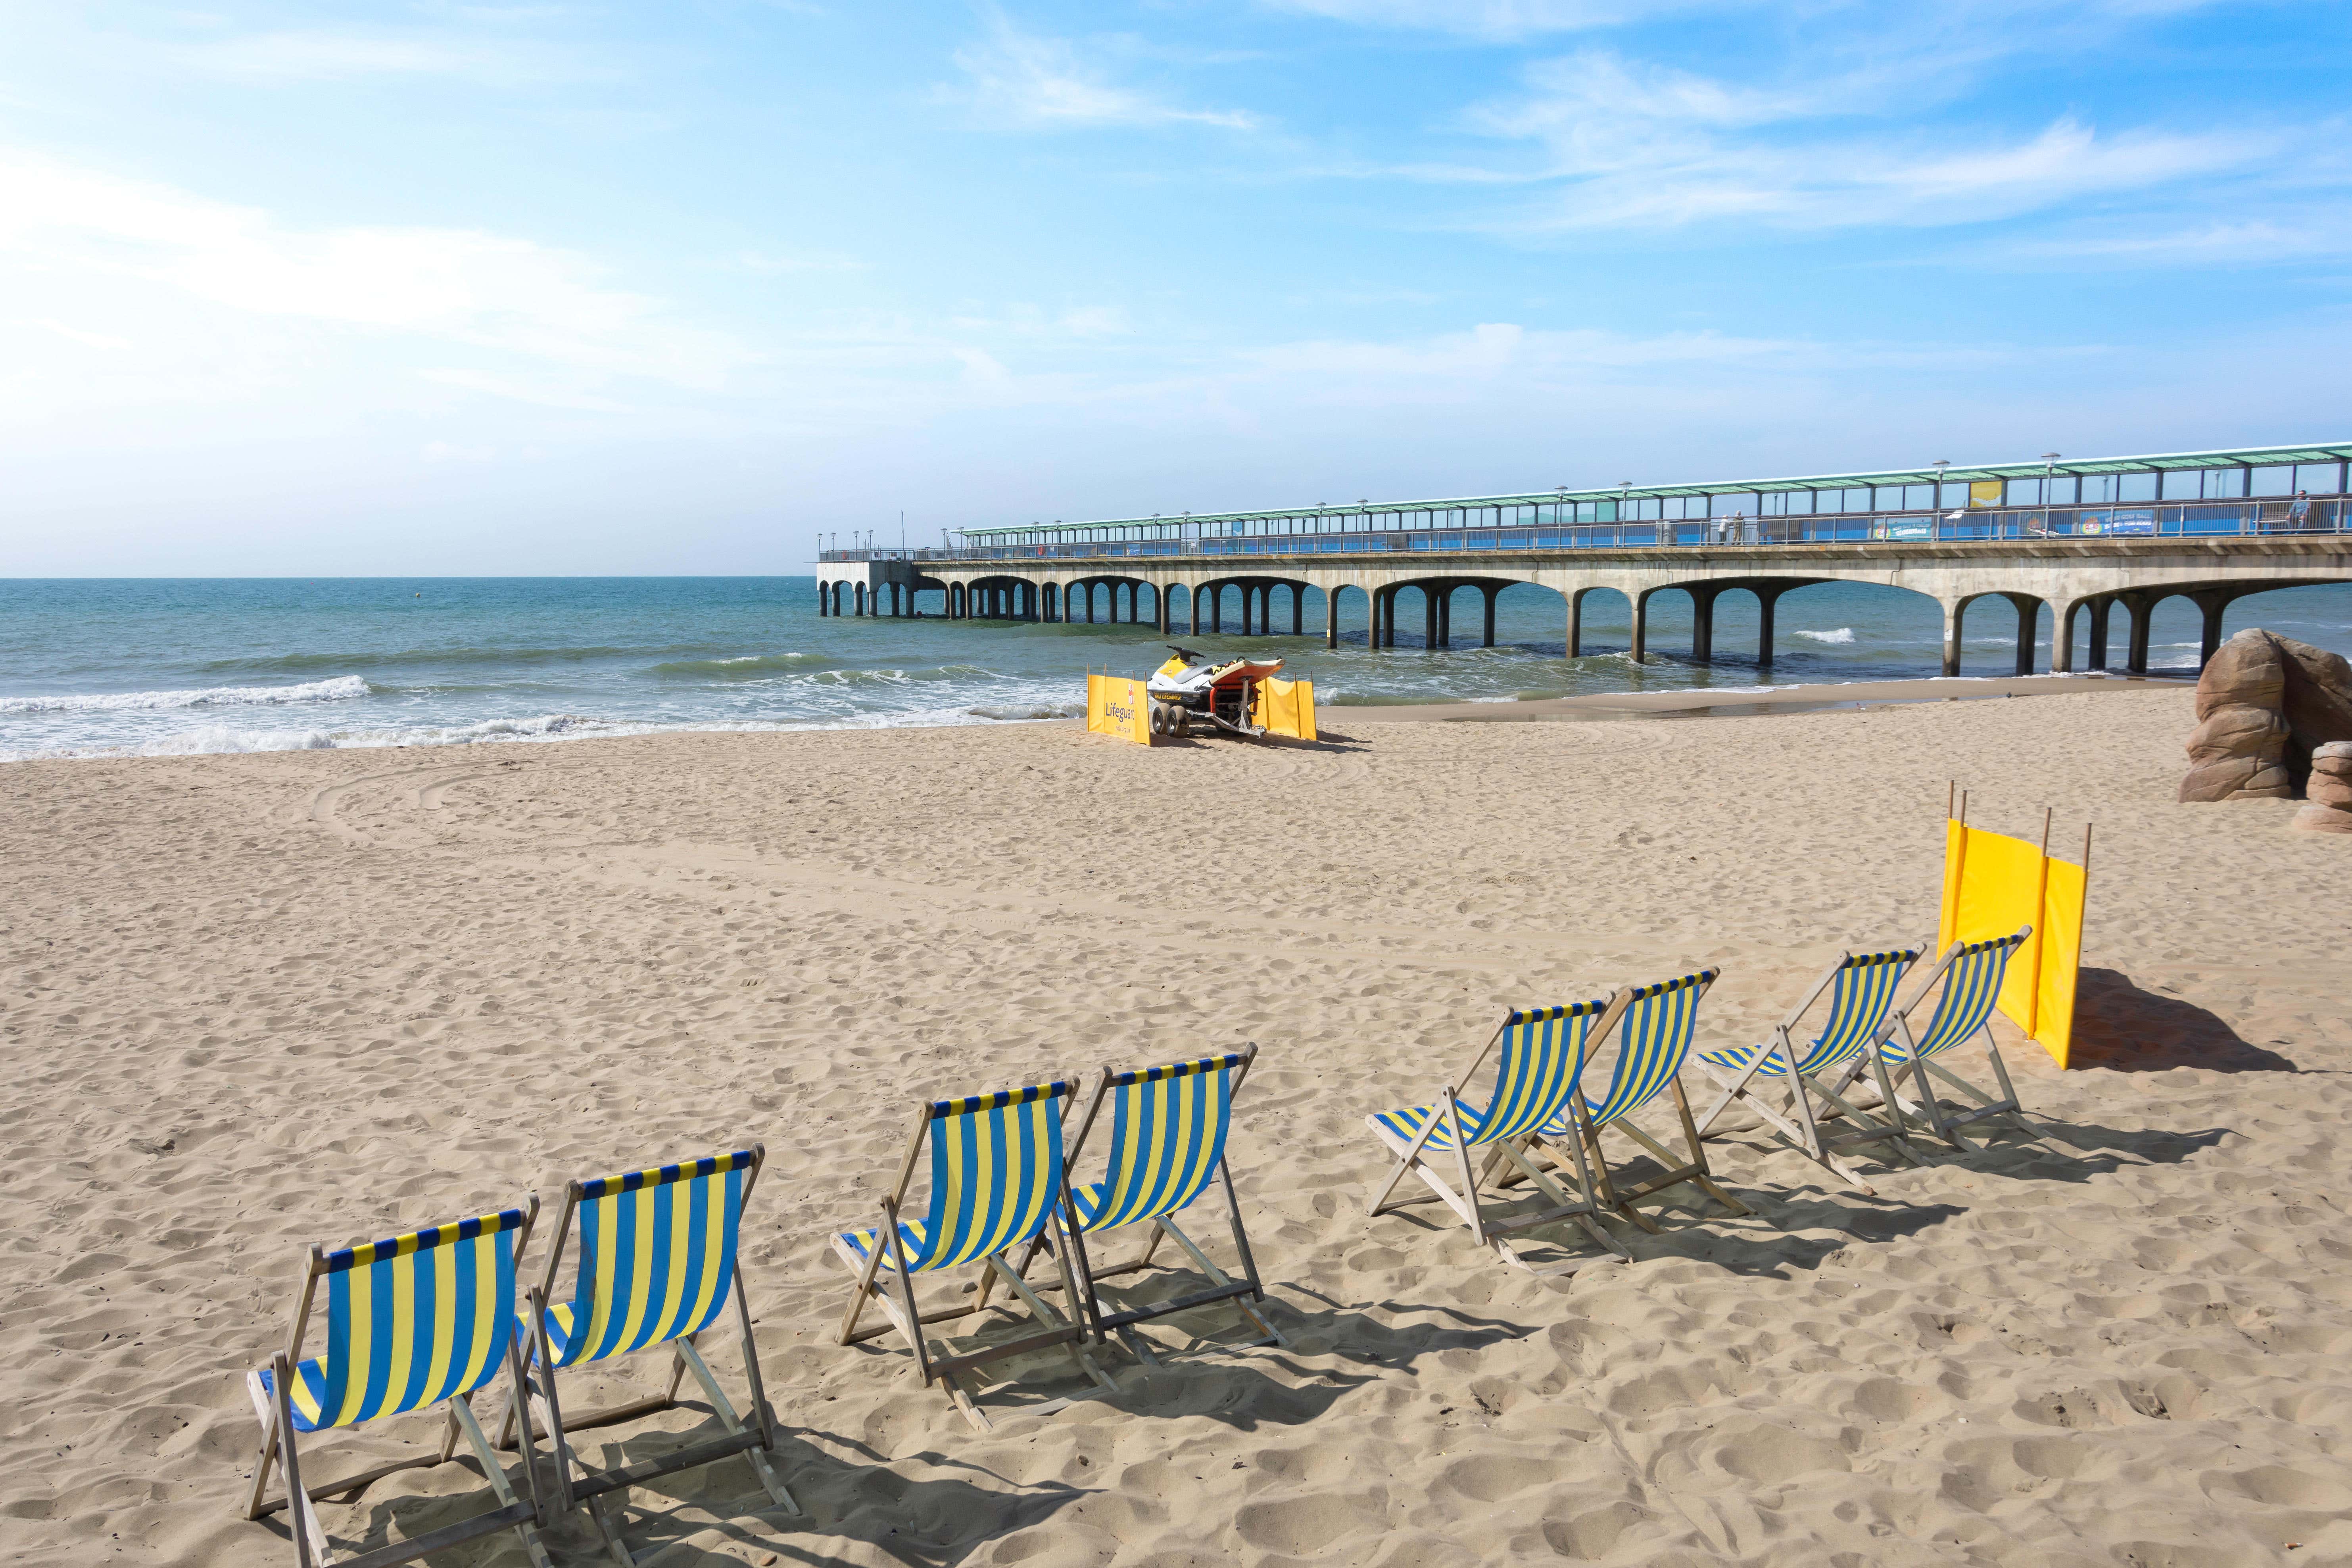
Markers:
341,689
1842,634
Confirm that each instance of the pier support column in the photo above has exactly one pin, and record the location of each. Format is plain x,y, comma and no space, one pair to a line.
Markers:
2210,603
1492,593
1383,617
1330,617
1642,624
2029,626
1703,623
1576,622
2062,637
1297,609
2098,647
1956,614
824,592
2141,607
1767,600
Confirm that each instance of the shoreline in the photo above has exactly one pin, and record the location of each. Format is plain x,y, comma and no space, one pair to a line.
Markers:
1725,703
1587,707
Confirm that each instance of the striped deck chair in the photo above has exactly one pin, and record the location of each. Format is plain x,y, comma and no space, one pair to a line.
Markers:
413,1322
656,1264
1655,1037
996,1185
1971,974
1167,1142
1543,1053
1861,987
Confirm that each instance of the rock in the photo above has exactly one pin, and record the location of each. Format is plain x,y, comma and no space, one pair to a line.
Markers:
2239,731
2318,704
2318,817
2331,775
2237,778
2267,707
2247,671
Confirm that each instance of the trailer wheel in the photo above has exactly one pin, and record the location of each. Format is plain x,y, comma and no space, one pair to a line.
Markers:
1181,725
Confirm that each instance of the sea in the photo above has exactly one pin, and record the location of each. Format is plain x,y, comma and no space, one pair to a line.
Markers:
170,667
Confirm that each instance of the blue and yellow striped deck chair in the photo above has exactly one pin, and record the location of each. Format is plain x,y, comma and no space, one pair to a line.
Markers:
413,1322
1542,1058
658,1262
997,1183
1166,1142
1971,974
1653,1041
1861,987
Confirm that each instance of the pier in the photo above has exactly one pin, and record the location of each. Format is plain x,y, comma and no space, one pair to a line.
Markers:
2084,538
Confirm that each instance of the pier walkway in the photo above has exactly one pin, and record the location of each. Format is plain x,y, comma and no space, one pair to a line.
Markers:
2083,538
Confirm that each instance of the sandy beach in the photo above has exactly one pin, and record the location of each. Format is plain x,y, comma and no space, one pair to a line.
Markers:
258,1001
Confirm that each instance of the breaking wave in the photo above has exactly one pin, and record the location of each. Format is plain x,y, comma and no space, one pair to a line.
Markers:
341,689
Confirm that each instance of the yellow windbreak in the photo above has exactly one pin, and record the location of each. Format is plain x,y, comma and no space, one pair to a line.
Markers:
1992,885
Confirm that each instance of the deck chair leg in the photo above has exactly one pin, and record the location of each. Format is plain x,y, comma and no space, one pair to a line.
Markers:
1609,1198
611,1536
309,1535
1046,1314
1705,1178
725,1411
1933,1108
1405,1163
913,1326
1584,1217
461,1414
1889,1132
265,1409
557,1439
1217,1277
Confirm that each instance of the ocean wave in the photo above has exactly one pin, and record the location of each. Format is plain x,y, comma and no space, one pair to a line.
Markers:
469,653
1031,710
1842,635
341,689
749,667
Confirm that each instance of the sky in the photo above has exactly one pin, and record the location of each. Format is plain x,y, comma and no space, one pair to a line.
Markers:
442,288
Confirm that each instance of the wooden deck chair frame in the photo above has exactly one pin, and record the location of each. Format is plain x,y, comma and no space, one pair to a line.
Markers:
578,1486
1855,1026
1187,1169
1505,1141
1646,1064
273,1403
1900,1051
896,1297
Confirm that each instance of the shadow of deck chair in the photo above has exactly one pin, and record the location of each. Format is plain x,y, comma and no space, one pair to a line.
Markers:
996,1184
1166,1142
1654,1039
1861,987
413,1322
657,1263
1543,1053
1970,974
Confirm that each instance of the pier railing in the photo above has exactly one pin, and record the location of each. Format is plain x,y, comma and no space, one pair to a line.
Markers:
2193,519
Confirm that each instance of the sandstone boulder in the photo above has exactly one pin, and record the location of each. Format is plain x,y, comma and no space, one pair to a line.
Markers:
2247,671
2239,732
2331,775
2237,778
2265,706
2315,817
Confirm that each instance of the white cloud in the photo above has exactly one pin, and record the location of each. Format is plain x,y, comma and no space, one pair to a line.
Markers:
1491,18
320,54
1630,146
76,334
487,292
1033,81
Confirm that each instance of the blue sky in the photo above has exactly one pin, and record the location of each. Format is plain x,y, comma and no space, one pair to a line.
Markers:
483,289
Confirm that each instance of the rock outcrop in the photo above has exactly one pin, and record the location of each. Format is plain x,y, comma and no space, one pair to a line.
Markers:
2264,705
2329,807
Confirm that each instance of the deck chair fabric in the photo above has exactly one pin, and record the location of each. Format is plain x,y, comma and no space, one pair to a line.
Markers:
1541,1057
1167,1143
1971,974
997,1183
415,1321
1658,1024
656,1251
1861,988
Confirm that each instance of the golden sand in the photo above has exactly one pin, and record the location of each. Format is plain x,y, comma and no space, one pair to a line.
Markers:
252,1002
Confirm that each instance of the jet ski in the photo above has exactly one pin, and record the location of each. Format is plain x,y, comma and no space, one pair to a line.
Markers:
1196,688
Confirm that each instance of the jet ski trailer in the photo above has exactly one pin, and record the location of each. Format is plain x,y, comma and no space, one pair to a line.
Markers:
1193,689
